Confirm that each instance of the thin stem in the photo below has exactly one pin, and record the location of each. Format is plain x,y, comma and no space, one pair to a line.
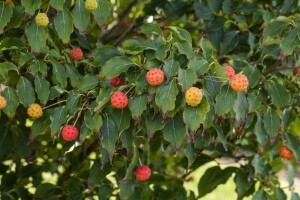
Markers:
141,164
59,102
130,89
79,114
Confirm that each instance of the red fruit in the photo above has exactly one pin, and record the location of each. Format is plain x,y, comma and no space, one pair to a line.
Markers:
143,173
285,153
155,77
76,54
125,24
296,71
229,71
119,100
69,133
239,83
115,81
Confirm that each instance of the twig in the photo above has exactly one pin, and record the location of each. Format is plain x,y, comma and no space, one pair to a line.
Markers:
79,114
120,39
59,102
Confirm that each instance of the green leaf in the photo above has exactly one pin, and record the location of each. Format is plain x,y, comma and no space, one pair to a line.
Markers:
25,58
42,89
103,13
182,34
5,15
260,166
31,6
25,92
253,75
73,74
209,119
39,66
115,66
290,41
63,24
214,5
271,122
150,29
224,100
279,94
11,97
126,188
133,164
153,124
81,16
240,106
57,4
166,96
59,75
291,174
136,46
229,42
193,117
243,183
275,27
255,101
174,131
295,196
187,77
17,18
121,118
73,102
87,83
261,194
10,43
109,136
40,125
36,37
185,48
213,177
199,65
171,66
288,5
127,138
294,145
279,194
104,53
260,132
190,154
58,118
93,121
137,105
97,173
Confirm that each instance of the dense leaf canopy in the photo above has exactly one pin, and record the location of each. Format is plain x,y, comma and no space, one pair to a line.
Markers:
191,41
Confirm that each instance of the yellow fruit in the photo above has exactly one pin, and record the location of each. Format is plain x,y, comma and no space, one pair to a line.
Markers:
239,83
91,5
193,96
35,111
42,19
2,102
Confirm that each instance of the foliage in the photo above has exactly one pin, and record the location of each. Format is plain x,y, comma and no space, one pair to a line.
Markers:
191,41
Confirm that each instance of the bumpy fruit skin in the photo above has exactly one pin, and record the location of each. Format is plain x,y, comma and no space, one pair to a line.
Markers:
142,173
115,81
296,71
155,77
69,133
3,102
42,19
229,72
91,5
76,54
239,83
119,100
285,153
193,96
35,111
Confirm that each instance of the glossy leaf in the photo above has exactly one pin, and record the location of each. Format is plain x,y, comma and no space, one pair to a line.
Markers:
63,24
25,92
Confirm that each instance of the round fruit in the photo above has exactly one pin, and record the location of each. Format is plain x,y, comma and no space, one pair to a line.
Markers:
193,96
143,173
155,77
69,133
115,81
229,71
35,111
239,83
42,19
91,5
119,100
285,153
76,54
296,71
3,102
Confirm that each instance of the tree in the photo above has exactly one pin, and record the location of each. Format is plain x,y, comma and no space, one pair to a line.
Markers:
93,87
